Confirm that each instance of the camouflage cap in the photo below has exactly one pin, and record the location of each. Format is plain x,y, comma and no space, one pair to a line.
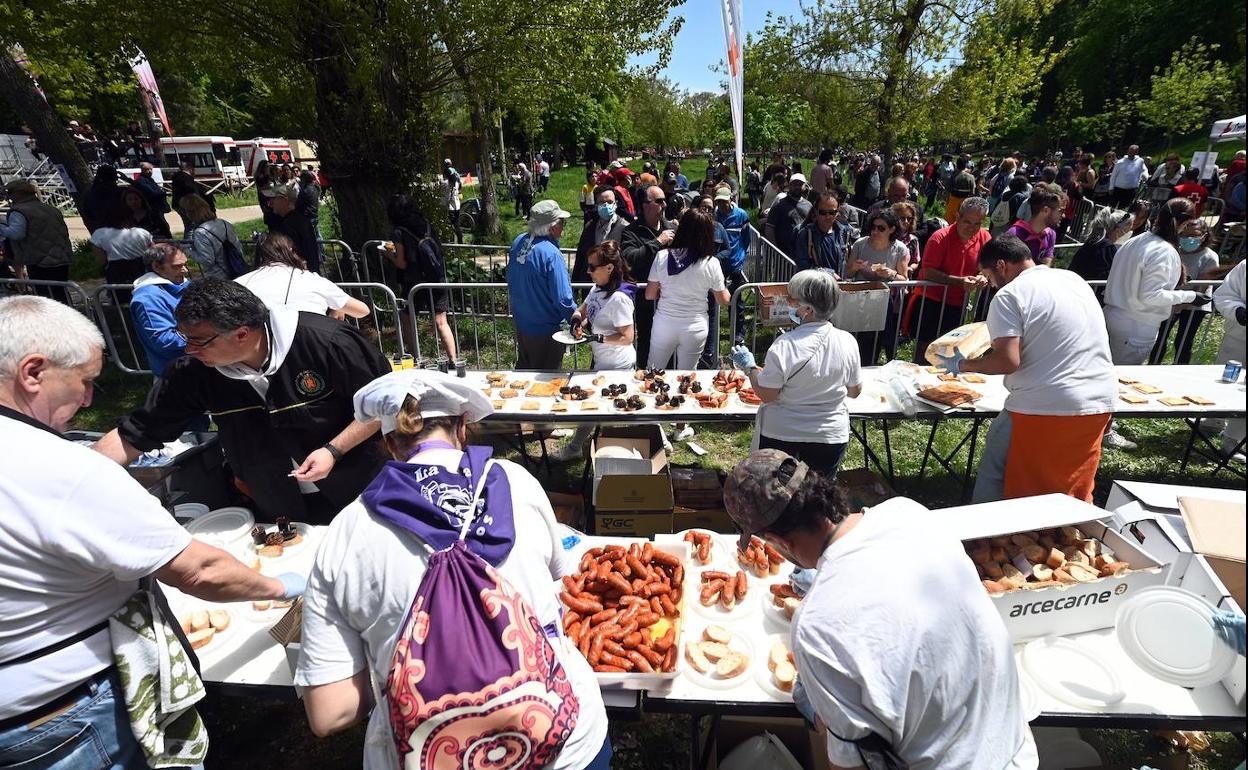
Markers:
759,488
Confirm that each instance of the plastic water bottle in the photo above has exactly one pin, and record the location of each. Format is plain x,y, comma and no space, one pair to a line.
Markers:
901,397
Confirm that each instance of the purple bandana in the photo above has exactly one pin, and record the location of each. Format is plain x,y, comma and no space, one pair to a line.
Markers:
678,260
431,502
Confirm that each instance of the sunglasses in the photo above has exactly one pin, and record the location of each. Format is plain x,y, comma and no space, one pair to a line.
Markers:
827,212
659,200
880,228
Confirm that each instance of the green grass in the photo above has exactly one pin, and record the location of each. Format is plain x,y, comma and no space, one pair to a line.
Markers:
237,199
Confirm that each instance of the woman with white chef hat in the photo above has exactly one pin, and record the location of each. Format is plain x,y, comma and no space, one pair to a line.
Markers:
376,552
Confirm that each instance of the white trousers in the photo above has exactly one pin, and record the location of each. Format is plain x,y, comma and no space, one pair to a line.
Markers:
685,338
1130,341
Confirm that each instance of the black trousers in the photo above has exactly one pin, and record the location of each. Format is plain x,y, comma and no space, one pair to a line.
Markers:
34,272
825,459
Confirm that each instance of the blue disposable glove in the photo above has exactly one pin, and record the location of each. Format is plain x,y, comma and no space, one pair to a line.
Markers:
1230,626
293,584
951,363
743,358
800,580
802,702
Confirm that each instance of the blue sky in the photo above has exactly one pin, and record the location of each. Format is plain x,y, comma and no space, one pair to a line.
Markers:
700,43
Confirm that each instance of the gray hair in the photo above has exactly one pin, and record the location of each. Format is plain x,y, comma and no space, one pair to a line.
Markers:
158,253
974,203
541,231
816,289
1106,221
38,325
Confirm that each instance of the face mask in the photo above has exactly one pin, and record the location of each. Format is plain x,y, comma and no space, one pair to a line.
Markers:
606,210
1190,243
794,317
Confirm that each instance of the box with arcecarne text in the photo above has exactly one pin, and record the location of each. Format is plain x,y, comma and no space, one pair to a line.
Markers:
1061,609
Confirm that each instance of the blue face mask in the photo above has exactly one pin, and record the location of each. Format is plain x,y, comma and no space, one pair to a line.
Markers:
794,317
606,211
1190,243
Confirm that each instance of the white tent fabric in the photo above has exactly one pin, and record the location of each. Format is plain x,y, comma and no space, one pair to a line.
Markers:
1229,130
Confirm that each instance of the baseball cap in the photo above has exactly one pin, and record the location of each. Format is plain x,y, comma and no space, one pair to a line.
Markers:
546,212
446,161
759,488
723,194
286,191
798,178
671,176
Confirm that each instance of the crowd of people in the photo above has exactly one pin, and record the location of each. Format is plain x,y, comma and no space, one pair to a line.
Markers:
317,428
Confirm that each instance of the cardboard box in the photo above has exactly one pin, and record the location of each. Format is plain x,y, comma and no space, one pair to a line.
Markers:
1217,530
695,479
569,509
1060,610
863,488
698,499
714,519
638,523
632,484
806,746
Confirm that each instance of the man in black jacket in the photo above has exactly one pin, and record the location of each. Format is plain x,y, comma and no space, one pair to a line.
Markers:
606,225
639,244
154,196
279,385
294,224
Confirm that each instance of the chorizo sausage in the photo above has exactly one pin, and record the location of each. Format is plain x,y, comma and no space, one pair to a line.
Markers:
632,640
639,662
639,569
615,648
666,559
773,555
655,606
607,659
712,574
704,551
647,619
657,589
669,661
654,658
580,604
602,616
616,581
663,643
602,669
669,609
742,585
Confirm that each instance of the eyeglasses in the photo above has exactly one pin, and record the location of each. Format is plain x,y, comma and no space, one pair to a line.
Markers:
659,200
905,219
192,343
827,212
880,228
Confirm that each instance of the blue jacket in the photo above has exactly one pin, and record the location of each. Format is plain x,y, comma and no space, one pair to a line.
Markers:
736,222
815,249
538,284
152,307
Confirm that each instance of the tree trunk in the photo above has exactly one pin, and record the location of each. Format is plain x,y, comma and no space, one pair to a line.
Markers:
895,70
483,132
44,123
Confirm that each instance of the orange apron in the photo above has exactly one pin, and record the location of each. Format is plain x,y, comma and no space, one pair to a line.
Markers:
1054,454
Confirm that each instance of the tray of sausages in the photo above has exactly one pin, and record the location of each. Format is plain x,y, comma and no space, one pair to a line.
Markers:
623,611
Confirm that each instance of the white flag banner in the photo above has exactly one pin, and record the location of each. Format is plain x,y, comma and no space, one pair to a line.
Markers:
736,81
154,105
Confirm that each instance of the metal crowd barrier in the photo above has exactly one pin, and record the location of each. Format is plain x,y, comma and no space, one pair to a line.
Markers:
382,325
473,261
338,262
766,262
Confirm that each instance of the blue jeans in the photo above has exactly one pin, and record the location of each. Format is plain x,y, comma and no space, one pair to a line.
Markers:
603,760
92,735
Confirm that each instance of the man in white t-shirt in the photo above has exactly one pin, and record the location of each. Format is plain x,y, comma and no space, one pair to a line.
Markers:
1126,176
368,568
1051,345
76,536
900,649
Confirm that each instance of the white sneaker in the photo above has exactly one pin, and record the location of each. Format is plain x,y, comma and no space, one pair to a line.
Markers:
561,433
684,434
1115,440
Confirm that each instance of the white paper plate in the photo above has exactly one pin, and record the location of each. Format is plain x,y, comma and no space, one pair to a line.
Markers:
1072,673
773,613
743,609
1028,690
224,525
219,637
567,338
723,551
710,680
762,674
1169,633
288,552
271,615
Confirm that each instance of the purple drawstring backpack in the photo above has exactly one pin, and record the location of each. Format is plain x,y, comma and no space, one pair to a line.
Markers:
474,683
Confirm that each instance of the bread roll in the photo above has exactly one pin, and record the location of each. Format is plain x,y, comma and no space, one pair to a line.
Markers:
219,620
779,654
270,551
1082,572
1075,555
790,606
1070,535
992,570
1000,541
200,638
1090,546
696,658
1023,539
714,650
715,633
200,620
186,624
1047,540
732,664
1115,568
1101,560
1042,572
785,676
1041,584
262,605
1036,554
1055,558
1011,577
993,587
980,555
1063,576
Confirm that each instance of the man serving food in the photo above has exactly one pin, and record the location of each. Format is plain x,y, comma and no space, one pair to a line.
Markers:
278,384
1050,343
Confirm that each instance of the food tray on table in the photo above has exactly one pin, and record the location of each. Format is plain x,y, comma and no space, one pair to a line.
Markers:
649,392
717,657
625,609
